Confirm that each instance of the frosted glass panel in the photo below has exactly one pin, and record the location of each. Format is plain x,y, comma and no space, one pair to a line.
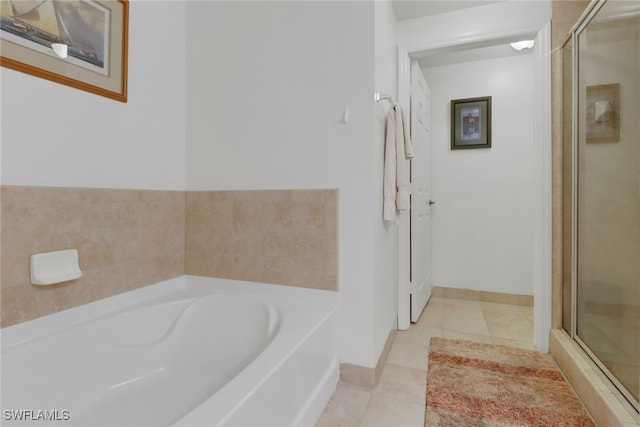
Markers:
608,192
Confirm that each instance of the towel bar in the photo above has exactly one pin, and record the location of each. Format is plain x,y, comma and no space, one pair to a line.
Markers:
380,96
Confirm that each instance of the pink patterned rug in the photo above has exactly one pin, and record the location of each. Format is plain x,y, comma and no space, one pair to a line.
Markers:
472,384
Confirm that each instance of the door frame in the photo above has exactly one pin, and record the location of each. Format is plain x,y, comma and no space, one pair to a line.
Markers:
404,230
542,176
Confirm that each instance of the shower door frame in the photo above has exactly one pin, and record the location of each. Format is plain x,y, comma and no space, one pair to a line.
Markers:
590,12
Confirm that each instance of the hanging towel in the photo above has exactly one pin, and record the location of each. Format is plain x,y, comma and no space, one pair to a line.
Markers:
408,148
398,151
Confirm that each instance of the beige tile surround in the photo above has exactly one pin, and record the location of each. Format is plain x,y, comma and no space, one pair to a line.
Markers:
127,239
288,237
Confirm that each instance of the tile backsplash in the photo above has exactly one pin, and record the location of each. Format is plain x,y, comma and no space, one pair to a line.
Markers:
127,239
287,237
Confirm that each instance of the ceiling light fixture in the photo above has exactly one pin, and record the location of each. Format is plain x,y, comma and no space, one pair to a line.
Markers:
522,45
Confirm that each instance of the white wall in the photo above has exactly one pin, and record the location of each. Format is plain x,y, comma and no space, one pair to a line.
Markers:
267,84
386,234
266,92
55,135
484,217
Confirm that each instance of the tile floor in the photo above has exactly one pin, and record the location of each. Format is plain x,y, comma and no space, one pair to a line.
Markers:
399,398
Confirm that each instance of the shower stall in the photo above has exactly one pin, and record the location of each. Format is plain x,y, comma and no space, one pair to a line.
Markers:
601,194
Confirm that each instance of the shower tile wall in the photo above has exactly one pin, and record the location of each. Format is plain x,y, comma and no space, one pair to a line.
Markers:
286,237
125,239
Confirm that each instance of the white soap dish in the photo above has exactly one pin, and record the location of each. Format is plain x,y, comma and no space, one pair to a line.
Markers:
50,268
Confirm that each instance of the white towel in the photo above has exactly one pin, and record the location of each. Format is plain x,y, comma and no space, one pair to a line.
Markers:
398,151
408,148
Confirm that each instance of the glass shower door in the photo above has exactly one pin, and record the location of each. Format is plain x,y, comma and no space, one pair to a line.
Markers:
608,193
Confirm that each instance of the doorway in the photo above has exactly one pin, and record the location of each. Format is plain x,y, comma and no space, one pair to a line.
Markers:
540,195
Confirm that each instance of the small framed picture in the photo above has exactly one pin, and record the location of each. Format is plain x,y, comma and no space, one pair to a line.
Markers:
603,113
471,123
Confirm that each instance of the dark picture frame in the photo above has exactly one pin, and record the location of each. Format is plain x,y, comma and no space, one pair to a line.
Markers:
603,113
95,31
471,123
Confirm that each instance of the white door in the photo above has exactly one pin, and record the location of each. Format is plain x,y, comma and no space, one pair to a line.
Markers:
420,219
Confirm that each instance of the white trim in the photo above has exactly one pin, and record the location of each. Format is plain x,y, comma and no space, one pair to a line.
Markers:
404,285
476,40
474,26
542,175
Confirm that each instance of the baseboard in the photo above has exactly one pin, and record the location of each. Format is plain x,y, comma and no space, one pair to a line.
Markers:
358,375
485,296
363,376
382,360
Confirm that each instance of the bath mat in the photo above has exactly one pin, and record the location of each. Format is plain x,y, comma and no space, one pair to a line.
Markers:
472,384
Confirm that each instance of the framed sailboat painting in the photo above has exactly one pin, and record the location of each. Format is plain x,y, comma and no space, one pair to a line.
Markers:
79,43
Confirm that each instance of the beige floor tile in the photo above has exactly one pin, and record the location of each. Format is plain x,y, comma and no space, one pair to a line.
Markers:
431,316
383,411
462,308
433,301
409,354
346,407
509,325
417,335
429,325
399,398
402,383
465,325
527,345
434,304
526,310
467,337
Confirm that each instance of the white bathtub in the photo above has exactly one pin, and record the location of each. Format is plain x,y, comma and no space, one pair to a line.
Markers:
190,351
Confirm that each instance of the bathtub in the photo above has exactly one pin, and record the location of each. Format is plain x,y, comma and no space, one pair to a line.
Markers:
190,351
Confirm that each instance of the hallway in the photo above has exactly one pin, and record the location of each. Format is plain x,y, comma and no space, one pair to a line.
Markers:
399,398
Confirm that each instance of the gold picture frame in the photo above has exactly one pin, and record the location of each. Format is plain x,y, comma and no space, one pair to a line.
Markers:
603,113
95,32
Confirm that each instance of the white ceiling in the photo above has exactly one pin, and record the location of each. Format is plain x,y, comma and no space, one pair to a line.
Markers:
408,9
502,50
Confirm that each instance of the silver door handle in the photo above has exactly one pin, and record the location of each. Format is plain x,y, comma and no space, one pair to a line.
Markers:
431,202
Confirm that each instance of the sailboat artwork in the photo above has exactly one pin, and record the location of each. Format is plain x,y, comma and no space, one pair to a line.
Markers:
82,25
